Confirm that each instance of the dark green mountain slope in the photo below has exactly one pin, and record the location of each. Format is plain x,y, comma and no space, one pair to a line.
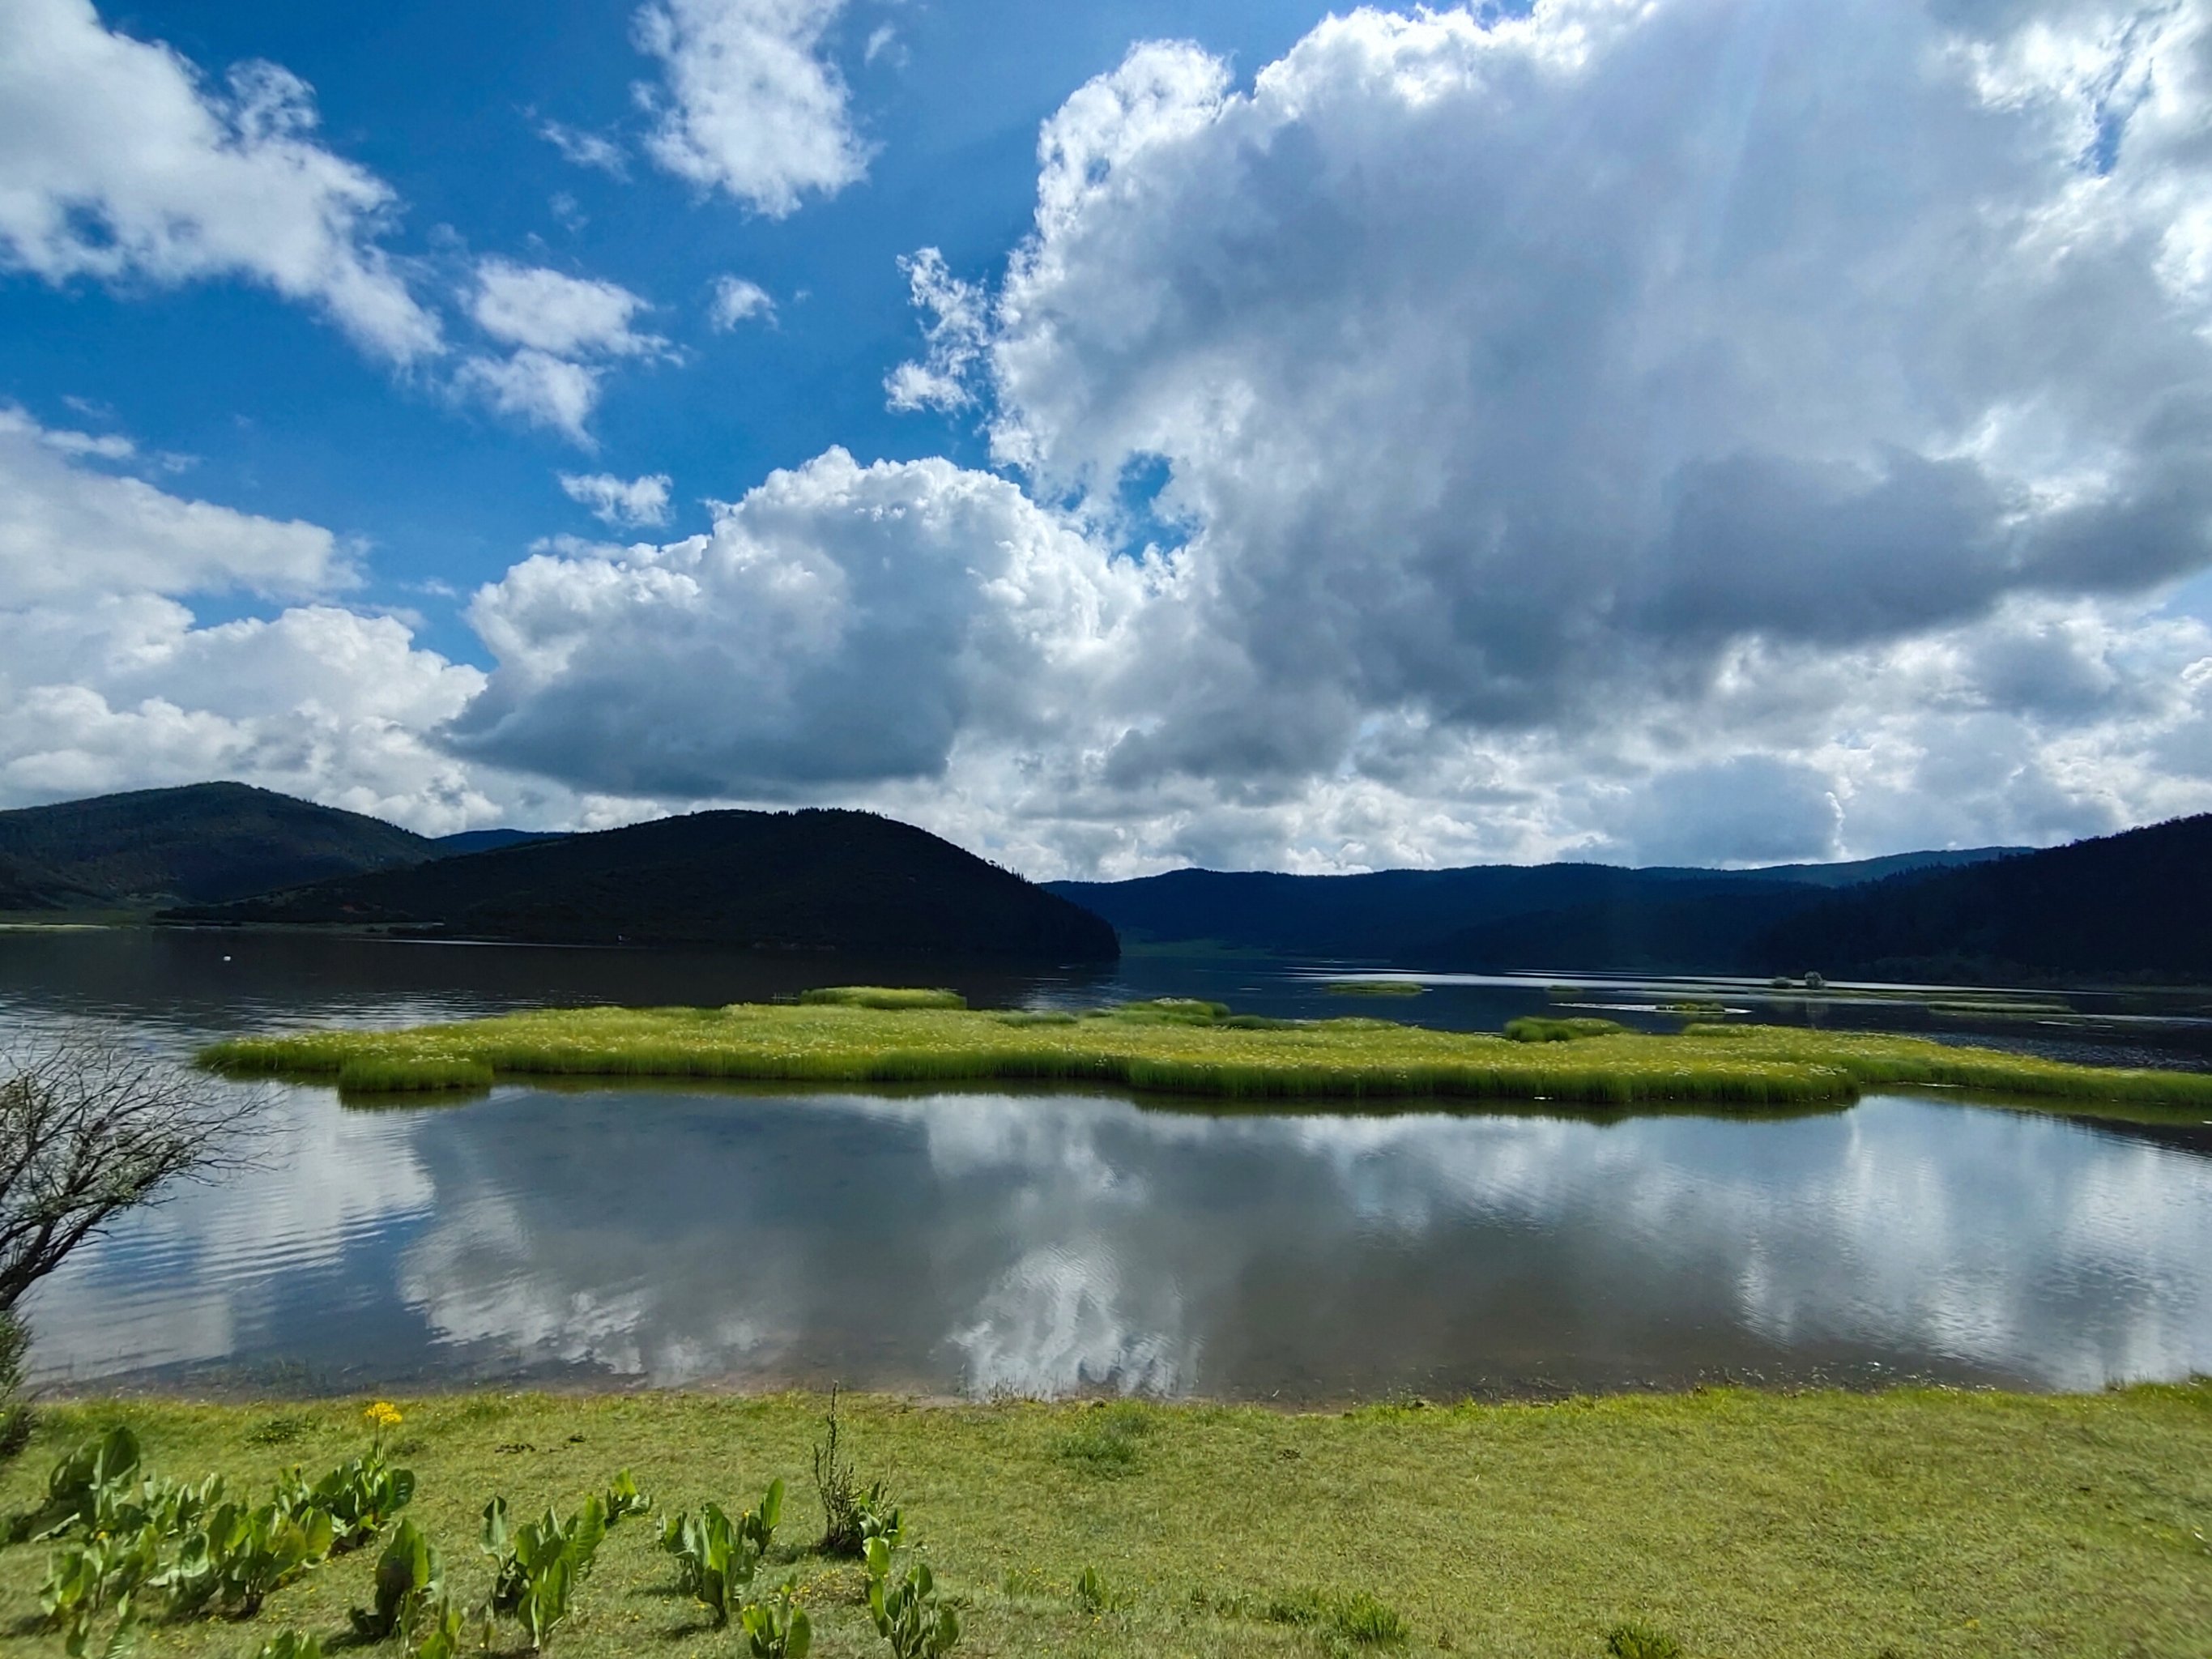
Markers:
809,881
2133,904
205,842
1487,916
27,885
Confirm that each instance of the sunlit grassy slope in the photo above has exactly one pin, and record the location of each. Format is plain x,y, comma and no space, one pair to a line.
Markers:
1182,1048
1742,1526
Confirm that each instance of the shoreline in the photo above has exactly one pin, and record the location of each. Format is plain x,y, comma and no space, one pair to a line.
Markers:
1535,1391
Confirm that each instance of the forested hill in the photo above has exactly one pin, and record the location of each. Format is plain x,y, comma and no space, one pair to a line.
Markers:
205,842
2135,904
819,880
1488,916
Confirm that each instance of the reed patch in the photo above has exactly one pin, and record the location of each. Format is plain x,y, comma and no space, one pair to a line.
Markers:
1196,1049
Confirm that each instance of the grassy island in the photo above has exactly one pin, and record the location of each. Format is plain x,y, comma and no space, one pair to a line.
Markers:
1723,1523
863,1036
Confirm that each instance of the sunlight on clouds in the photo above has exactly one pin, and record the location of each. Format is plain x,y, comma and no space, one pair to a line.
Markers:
852,621
752,105
1676,431
118,161
542,310
107,682
564,331
957,328
66,528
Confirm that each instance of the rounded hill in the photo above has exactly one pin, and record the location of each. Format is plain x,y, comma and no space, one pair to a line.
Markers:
811,880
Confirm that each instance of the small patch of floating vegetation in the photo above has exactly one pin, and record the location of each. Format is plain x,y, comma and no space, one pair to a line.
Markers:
1994,1008
1375,987
395,1074
881,996
1186,1047
1534,1028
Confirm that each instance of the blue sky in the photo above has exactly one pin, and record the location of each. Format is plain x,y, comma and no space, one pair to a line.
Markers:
283,418
1722,431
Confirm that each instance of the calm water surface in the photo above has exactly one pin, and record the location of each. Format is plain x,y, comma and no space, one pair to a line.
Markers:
1053,1243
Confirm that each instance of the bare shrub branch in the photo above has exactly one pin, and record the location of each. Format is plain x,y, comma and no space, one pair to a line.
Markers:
92,1125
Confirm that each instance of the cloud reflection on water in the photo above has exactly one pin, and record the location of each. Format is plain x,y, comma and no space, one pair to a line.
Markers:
1046,1244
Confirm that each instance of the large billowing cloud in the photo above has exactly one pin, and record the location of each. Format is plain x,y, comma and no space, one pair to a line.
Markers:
1703,429
118,161
1688,430
1507,372
752,105
842,625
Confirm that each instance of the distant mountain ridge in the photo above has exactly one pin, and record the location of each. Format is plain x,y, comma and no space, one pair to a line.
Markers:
2136,904
2128,905
811,880
1495,916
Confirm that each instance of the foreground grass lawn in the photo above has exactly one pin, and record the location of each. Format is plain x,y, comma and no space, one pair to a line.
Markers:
1742,1524
1190,1049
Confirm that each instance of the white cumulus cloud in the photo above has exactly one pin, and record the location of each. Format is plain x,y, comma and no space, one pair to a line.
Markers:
841,624
548,311
117,160
956,333
68,528
735,301
751,106
1559,403
620,501
1680,430
108,681
564,329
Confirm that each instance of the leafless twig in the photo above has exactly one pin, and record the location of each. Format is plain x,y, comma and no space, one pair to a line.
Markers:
90,1126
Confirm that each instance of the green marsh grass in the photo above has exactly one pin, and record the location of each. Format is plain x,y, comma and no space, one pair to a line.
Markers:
1199,1050
1754,1526
380,1074
882,996
1534,1028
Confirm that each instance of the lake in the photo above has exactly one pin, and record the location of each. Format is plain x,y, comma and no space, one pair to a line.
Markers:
1050,1242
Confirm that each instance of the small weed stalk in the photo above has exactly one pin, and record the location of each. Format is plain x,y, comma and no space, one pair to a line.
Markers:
851,1514
1344,1619
446,1629
625,1500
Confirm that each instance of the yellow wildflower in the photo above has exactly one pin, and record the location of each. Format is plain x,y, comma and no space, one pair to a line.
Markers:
383,1414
